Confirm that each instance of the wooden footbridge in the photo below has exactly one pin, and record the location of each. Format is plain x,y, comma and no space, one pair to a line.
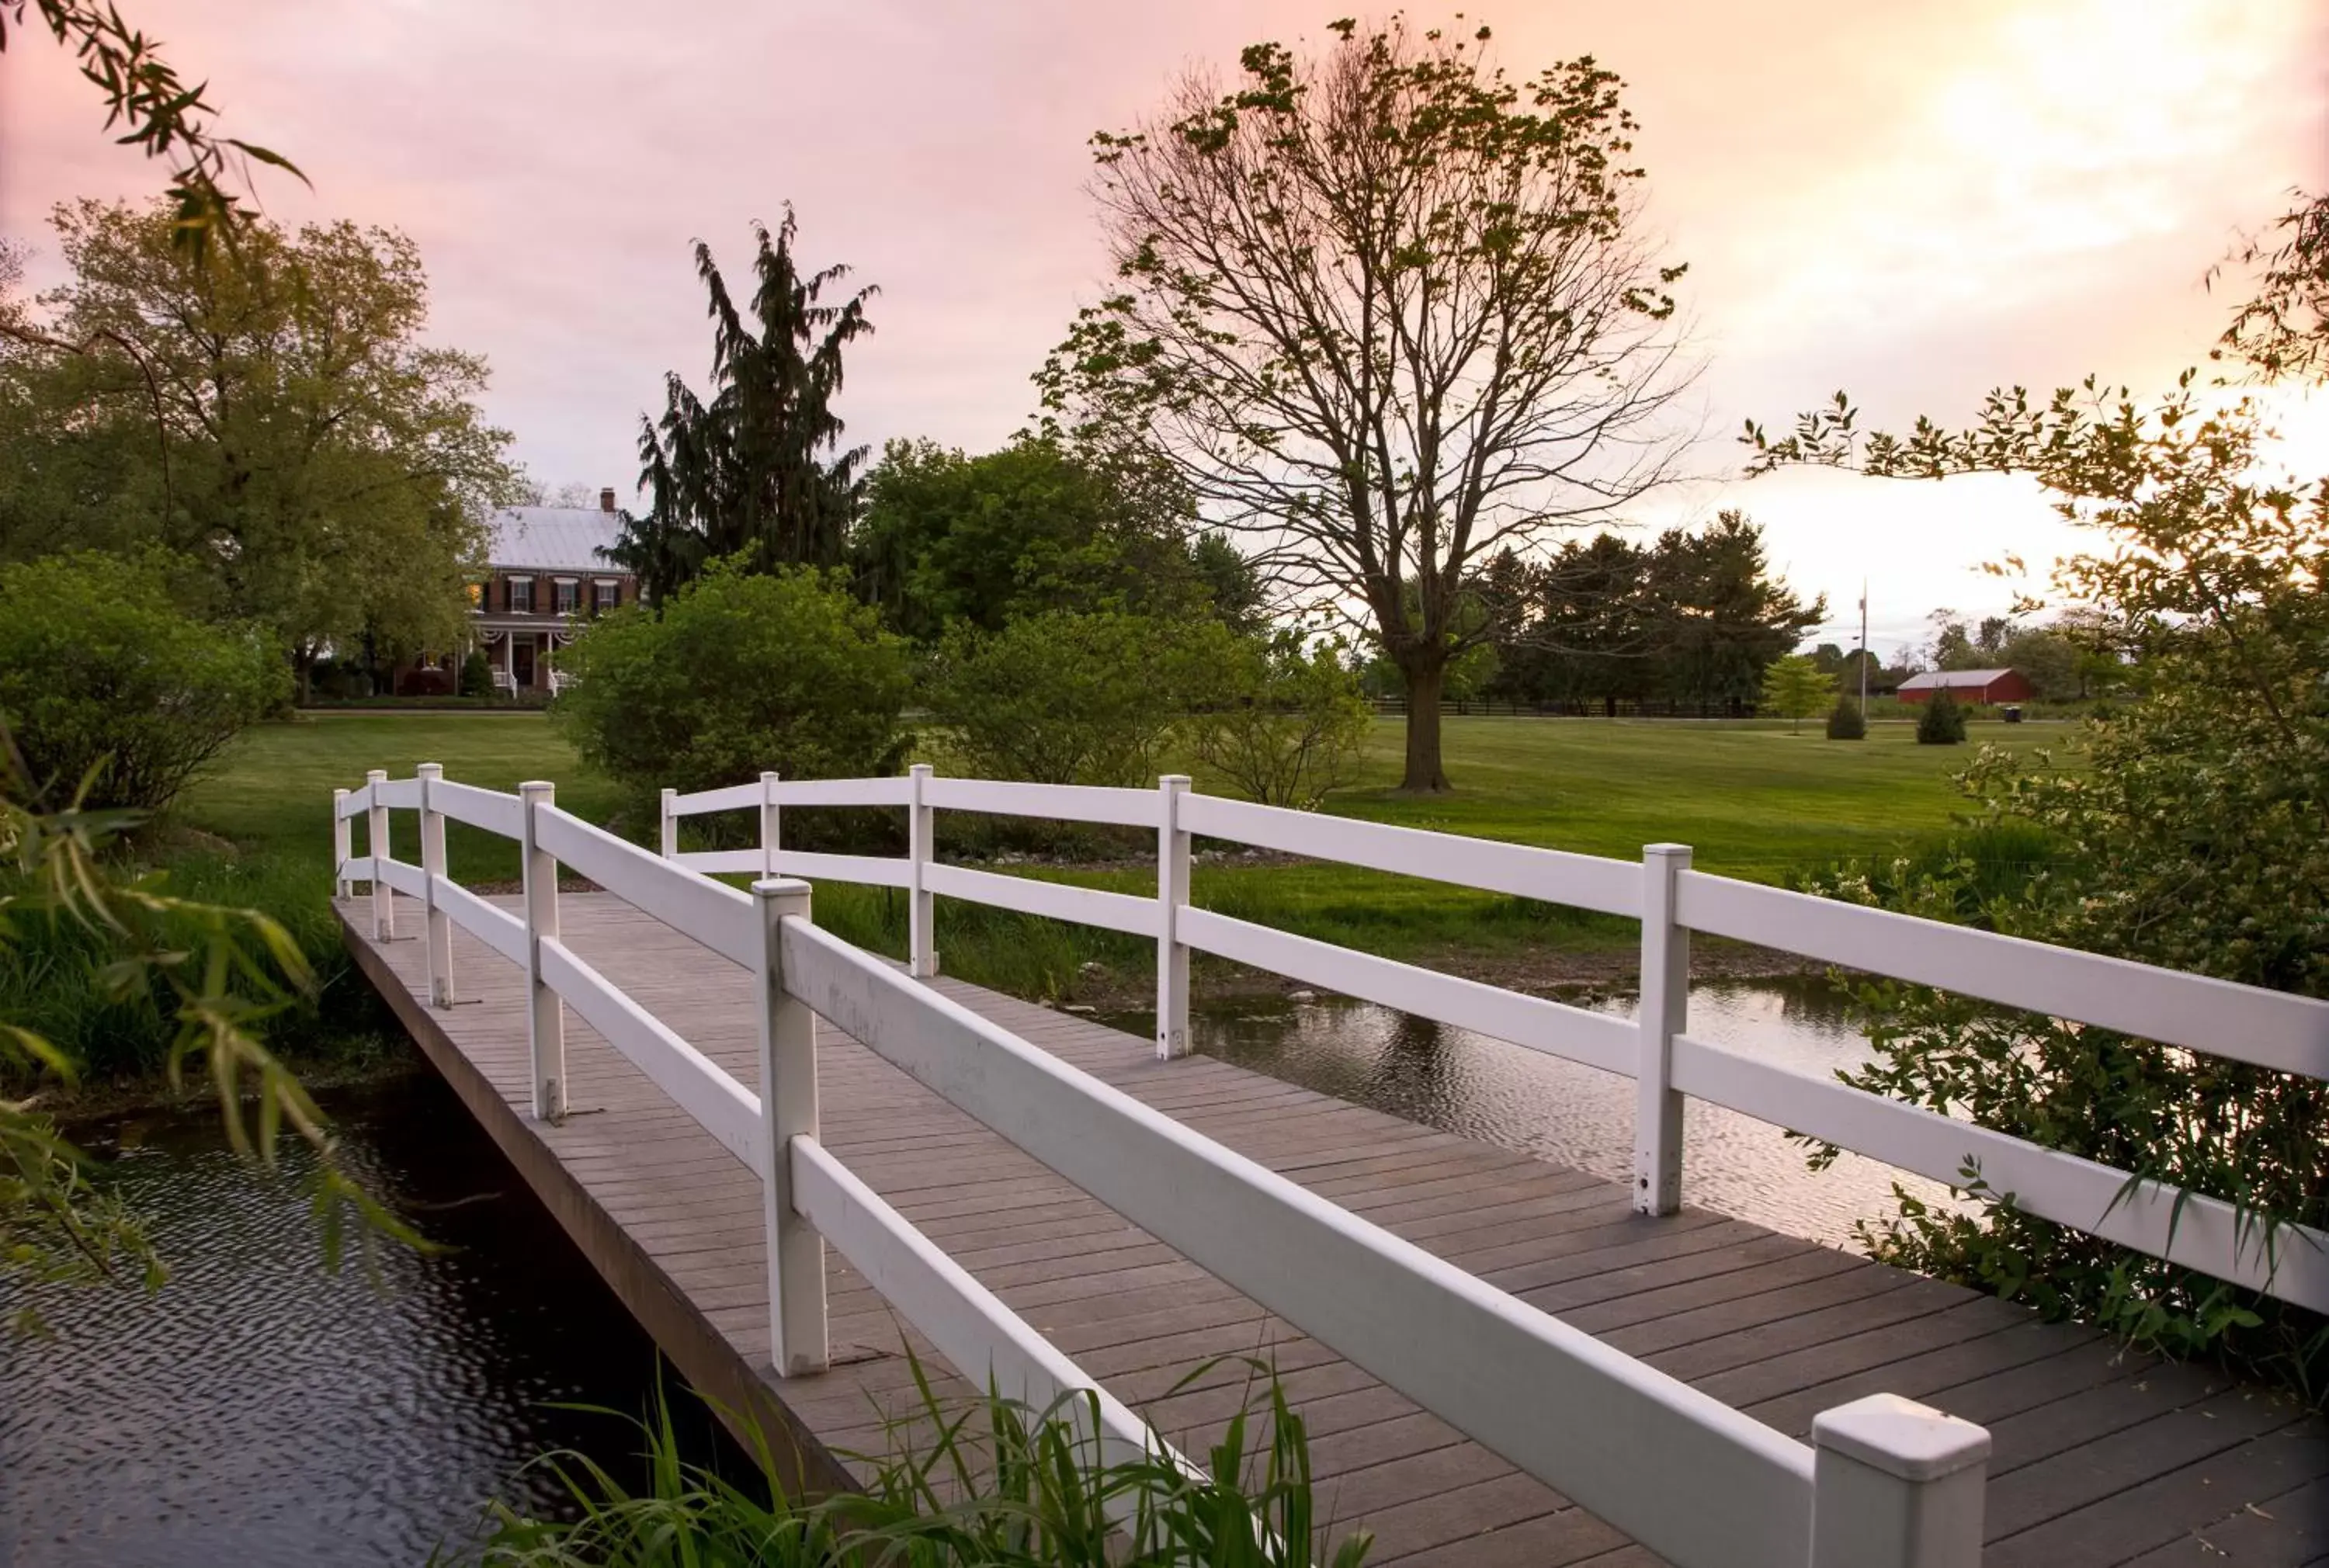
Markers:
1500,1361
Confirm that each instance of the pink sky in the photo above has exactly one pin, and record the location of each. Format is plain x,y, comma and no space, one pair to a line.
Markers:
1915,201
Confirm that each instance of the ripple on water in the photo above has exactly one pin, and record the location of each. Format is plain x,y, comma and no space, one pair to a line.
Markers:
260,1411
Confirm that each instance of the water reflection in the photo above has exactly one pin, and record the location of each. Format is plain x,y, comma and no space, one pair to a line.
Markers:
1477,1087
260,1411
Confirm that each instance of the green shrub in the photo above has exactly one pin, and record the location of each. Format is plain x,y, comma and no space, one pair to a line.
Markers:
97,666
1286,723
739,674
1847,722
477,675
1942,722
1068,698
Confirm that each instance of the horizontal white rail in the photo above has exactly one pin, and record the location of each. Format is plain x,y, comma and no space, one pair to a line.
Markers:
354,804
730,798
873,870
844,791
356,869
718,917
1058,802
407,880
723,1107
2196,1231
1058,900
401,794
487,809
498,929
799,792
985,1341
1608,1431
721,862
1556,1028
1553,876
2270,1028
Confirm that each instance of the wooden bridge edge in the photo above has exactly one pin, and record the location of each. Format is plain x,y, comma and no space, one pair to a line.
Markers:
736,1391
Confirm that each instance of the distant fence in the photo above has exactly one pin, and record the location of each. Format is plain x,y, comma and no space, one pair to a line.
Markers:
1885,1483
1625,707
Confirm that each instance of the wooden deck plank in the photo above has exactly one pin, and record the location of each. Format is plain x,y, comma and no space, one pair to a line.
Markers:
2100,1457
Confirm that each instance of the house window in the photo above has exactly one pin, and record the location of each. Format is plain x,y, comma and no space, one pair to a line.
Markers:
605,595
568,596
521,595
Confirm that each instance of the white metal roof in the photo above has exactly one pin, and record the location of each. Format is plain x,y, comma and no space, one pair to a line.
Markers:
553,538
1932,680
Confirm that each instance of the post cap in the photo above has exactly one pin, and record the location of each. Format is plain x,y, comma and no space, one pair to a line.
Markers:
923,768
770,775
1679,849
429,770
537,787
376,775
1173,781
1901,1438
780,888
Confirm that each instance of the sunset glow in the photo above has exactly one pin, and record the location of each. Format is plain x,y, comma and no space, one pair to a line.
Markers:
1913,203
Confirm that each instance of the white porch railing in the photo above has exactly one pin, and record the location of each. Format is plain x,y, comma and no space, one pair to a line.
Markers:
1885,1483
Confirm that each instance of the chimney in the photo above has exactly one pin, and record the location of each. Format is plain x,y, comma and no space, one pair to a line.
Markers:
606,498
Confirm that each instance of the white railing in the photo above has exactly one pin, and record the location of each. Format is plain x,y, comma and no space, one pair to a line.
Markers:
1884,1484
2177,1010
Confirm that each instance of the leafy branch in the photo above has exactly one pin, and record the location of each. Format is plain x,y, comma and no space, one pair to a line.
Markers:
155,111
223,969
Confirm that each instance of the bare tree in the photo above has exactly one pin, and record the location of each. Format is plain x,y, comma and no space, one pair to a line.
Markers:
1388,312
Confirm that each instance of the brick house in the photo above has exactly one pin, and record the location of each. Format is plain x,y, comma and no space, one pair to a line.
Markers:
545,573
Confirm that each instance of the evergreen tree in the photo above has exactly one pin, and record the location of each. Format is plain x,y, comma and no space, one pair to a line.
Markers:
1846,721
1942,723
1723,616
755,472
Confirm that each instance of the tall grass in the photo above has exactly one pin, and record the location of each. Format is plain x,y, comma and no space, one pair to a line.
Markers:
987,1483
60,979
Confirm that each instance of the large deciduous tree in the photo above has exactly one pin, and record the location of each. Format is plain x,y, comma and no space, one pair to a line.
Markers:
1389,312
269,412
754,472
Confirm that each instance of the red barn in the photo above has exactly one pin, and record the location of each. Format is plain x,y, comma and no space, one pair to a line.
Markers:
1968,686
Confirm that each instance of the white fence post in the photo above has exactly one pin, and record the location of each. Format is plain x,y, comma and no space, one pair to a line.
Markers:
797,1323
1665,1012
921,836
384,905
343,844
1896,1484
436,924
771,824
1172,894
669,840
545,1033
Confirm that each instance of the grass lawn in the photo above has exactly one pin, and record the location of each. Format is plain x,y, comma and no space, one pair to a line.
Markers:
1752,798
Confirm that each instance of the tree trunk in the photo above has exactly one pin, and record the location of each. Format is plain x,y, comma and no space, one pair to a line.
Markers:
1425,775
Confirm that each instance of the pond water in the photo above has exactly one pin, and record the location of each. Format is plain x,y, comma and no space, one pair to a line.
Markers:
259,1411
1477,1087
